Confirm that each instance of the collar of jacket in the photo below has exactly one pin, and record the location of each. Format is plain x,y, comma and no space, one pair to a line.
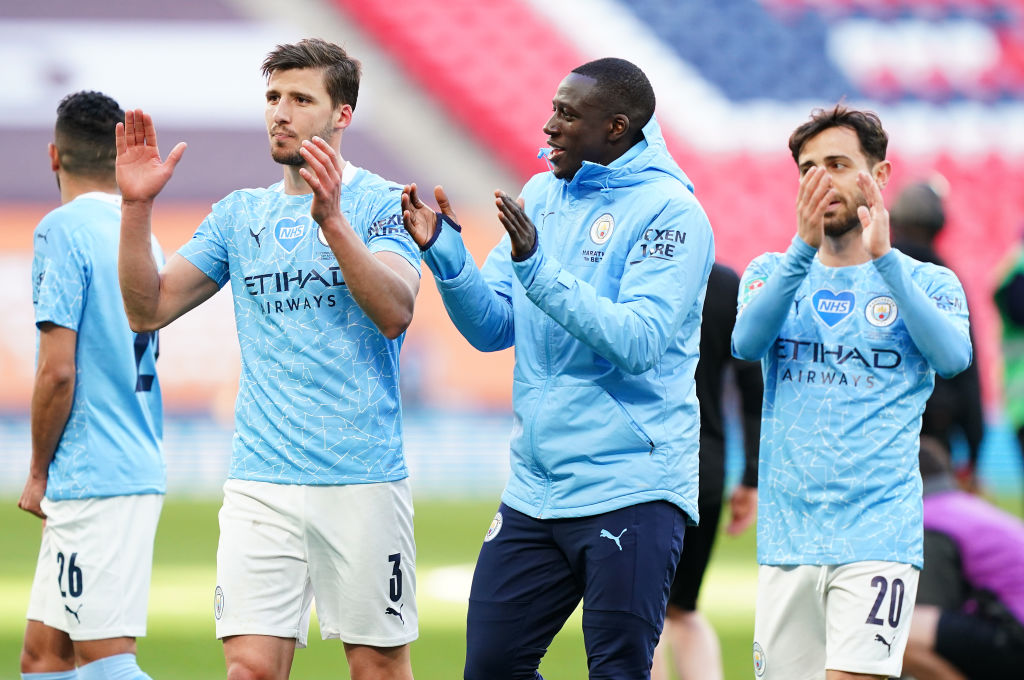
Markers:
633,167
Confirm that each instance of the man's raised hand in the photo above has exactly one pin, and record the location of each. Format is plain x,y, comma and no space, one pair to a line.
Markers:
323,175
419,218
141,174
520,229
873,217
811,202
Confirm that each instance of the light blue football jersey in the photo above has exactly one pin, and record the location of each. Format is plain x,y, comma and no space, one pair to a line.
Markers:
111,445
318,399
845,387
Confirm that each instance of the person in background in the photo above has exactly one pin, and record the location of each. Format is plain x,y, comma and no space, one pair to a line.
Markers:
1009,299
917,218
969,618
688,637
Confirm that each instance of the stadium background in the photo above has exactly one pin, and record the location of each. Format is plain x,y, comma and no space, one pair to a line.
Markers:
456,92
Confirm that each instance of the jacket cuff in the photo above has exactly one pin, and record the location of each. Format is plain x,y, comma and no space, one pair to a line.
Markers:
527,268
445,253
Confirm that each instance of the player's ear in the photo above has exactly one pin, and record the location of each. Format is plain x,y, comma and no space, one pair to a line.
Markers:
342,116
881,173
51,150
618,125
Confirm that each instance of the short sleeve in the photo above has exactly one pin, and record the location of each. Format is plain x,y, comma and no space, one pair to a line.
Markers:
386,232
61,270
207,249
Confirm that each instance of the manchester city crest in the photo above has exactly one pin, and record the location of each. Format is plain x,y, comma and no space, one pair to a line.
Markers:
218,603
881,311
495,527
759,660
601,229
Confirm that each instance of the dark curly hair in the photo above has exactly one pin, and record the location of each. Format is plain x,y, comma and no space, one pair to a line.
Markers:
873,139
84,133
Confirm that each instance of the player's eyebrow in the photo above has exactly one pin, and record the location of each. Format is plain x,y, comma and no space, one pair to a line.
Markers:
291,93
809,163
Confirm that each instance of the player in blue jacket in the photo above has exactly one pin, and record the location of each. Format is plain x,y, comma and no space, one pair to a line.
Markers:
599,286
850,333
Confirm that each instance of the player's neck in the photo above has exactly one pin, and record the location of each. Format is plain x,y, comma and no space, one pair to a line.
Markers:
73,186
294,185
844,251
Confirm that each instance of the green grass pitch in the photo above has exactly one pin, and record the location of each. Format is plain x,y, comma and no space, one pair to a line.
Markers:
181,643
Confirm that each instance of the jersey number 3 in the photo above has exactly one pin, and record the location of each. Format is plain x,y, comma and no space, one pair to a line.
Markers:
396,577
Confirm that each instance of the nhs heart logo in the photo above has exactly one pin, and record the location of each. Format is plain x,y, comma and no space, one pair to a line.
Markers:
832,307
289,231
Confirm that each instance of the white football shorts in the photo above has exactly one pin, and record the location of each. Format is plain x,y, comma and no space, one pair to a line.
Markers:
350,546
851,617
95,561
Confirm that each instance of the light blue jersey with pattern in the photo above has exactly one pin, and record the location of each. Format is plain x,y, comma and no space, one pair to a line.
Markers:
318,399
111,444
845,386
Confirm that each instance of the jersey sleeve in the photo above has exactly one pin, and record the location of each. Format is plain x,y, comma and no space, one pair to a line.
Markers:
658,289
767,289
386,232
934,308
61,271
207,249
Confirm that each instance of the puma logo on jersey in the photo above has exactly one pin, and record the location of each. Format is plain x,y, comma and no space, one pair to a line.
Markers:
256,235
396,612
612,537
74,612
882,640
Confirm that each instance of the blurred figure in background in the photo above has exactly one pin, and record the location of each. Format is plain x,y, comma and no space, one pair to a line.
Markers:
969,617
917,217
1009,298
690,639
97,421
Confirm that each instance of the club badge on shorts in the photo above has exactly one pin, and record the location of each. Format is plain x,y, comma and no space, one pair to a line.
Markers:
495,527
218,603
759,661
881,311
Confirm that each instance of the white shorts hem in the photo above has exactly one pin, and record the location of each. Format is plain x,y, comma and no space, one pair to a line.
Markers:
286,633
100,634
374,641
887,669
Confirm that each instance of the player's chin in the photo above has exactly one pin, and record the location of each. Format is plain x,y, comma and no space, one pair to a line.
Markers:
284,157
561,170
840,225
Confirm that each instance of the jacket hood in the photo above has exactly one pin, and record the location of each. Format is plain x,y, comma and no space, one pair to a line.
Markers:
652,161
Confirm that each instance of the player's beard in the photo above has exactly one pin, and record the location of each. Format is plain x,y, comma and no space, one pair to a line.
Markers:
844,221
294,158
